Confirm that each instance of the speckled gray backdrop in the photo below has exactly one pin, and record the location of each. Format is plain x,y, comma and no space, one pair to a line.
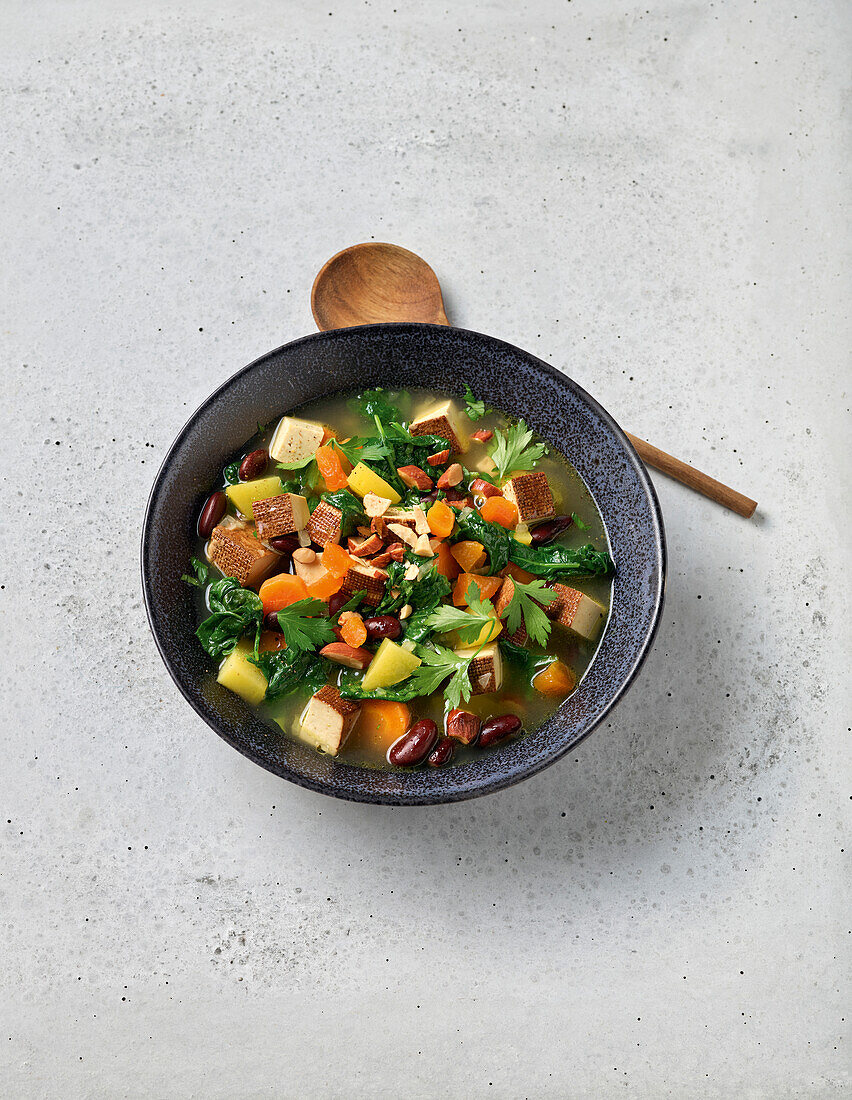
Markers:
647,195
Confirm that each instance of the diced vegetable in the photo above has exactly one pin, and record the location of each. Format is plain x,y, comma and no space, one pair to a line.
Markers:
447,565
490,632
243,495
441,519
380,723
336,560
325,587
500,510
280,591
241,677
327,720
556,680
469,554
352,629
331,466
363,480
487,586
391,664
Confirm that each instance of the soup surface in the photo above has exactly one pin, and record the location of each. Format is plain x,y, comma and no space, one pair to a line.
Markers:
410,558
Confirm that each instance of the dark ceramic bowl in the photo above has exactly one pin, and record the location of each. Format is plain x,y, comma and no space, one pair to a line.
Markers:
401,356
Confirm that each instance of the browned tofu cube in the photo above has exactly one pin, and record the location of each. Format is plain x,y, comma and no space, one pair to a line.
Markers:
531,495
328,720
365,578
576,611
486,670
504,598
280,515
325,524
442,420
236,550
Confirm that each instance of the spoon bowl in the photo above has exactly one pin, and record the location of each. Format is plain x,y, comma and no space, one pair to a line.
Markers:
373,283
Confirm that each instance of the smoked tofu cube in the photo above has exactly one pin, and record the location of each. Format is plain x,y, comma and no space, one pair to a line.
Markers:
442,420
504,598
295,439
406,517
576,611
365,578
531,495
280,515
486,670
236,551
328,720
325,524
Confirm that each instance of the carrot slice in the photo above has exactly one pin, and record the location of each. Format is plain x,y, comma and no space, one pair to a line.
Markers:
488,587
556,679
499,510
447,565
336,560
331,467
441,519
325,587
352,629
380,723
469,554
517,573
281,590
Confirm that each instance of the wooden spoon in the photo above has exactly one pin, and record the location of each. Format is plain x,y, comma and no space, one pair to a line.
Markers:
369,284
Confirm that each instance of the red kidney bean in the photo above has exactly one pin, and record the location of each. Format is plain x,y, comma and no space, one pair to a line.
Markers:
382,626
499,729
336,602
270,622
442,753
413,747
253,465
546,532
211,513
285,544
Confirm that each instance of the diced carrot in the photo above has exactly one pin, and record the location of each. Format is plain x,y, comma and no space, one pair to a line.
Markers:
352,629
327,434
336,560
380,723
499,510
325,587
518,574
282,590
469,554
331,467
270,640
488,587
447,565
556,679
441,519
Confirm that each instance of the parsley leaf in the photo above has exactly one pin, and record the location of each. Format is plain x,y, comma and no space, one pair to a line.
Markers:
202,573
515,450
525,607
298,465
231,473
439,663
373,403
235,612
360,449
475,409
305,625
468,625
561,561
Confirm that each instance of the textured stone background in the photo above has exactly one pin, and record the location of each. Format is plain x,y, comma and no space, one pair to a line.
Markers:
647,195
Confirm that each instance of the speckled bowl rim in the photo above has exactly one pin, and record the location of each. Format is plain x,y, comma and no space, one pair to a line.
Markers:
493,771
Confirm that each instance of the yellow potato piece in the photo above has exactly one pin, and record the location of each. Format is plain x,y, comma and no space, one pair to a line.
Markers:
245,679
363,480
244,495
490,633
391,664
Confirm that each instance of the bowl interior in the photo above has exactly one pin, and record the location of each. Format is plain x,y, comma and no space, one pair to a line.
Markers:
402,356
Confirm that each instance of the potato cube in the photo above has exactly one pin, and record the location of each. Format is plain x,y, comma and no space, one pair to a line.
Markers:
531,495
363,480
243,495
281,515
325,524
295,439
490,632
236,551
486,670
576,611
391,664
442,420
328,720
240,676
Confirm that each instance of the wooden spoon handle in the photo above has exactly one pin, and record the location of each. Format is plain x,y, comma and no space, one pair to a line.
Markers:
688,475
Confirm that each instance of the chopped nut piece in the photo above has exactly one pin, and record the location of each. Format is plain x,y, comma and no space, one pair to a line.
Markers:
363,549
236,551
365,531
451,477
421,524
411,572
405,611
438,458
463,726
415,478
423,547
374,505
483,435
531,495
304,554
403,533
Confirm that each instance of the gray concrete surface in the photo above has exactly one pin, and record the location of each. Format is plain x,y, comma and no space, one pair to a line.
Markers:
650,196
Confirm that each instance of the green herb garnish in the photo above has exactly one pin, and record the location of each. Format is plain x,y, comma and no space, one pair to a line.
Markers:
556,561
202,573
578,523
525,608
231,473
373,403
305,625
289,670
468,626
515,450
351,507
475,409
